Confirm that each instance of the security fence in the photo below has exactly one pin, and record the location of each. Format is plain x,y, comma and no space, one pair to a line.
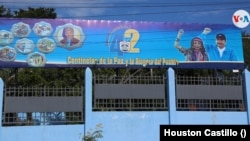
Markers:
130,93
206,93
42,106
55,106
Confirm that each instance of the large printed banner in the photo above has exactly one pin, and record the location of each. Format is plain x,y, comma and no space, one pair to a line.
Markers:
81,43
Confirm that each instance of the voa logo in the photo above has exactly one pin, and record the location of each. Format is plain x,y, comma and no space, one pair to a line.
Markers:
241,18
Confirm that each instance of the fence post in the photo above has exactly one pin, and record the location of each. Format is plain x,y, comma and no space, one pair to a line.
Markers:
171,95
1,106
88,100
247,93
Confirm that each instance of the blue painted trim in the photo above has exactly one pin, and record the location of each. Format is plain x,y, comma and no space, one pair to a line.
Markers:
88,100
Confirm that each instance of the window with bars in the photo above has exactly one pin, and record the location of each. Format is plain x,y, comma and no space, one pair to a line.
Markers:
42,106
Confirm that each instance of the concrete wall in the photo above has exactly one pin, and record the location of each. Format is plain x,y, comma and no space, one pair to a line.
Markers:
43,133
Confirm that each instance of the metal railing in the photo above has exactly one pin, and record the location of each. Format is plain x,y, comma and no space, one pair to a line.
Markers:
208,80
42,91
101,79
42,106
208,93
129,93
210,105
130,105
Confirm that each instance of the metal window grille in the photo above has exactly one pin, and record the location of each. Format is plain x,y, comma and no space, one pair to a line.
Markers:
130,105
208,80
130,93
199,93
43,106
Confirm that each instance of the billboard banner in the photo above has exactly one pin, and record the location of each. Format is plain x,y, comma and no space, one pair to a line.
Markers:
82,43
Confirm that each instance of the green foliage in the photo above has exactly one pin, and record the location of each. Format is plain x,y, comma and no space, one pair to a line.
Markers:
52,77
94,135
43,77
40,12
5,12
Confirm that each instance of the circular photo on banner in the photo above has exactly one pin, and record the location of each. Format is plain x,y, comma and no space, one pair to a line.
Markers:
69,36
42,29
6,37
46,45
24,46
20,30
36,59
7,54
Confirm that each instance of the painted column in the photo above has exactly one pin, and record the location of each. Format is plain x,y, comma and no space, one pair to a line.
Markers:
247,93
88,100
1,106
171,95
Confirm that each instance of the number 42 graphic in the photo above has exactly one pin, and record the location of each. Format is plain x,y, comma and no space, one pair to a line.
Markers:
124,41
